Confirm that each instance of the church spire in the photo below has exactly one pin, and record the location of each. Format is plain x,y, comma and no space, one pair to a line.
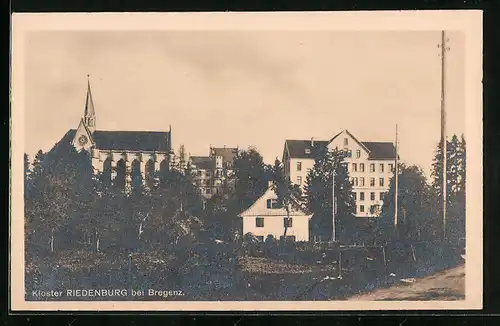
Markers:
89,117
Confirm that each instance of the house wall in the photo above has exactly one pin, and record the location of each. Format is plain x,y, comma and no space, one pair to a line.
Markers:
274,225
295,174
359,157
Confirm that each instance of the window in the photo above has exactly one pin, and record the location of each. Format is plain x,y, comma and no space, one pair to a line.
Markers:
207,190
354,167
259,222
346,141
381,182
361,167
287,222
299,180
362,208
391,167
273,204
354,195
361,196
381,167
381,196
372,167
372,182
308,151
358,153
356,182
372,196
208,173
362,182
260,238
299,166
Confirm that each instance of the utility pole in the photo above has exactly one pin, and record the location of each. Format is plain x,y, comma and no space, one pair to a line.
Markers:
396,181
333,205
444,48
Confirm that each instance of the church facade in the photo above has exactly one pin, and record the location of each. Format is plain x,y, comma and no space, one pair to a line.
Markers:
122,154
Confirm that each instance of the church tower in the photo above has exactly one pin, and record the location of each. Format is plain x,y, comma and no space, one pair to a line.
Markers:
89,116
83,136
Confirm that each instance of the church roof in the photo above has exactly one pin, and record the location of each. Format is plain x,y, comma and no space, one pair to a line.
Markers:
131,140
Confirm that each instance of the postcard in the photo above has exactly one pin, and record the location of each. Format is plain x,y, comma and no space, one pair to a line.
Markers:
306,161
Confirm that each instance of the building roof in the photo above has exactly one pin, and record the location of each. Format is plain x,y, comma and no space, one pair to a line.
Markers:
297,148
259,207
129,140
202,162
381,150
228,154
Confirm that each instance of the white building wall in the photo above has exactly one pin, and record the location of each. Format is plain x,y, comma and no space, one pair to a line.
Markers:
274,225
359,172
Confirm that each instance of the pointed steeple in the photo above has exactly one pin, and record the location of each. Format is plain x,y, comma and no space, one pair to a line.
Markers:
89,117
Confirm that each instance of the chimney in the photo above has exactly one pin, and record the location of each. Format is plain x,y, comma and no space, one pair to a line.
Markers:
312,142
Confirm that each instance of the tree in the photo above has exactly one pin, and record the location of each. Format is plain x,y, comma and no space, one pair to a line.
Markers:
455,190
289,195
250,177
417,217
319,194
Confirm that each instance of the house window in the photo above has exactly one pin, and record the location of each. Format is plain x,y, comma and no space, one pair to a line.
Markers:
207,190
355,181
208,173
362,208
372,167
381,182
358,153
287,222
259,222
273,204
361,196
381,196
391,167
361,167
308,151
372,182
299,180
381,167
354,167
299,166
362,181
346,141
260,238
372,196
354,195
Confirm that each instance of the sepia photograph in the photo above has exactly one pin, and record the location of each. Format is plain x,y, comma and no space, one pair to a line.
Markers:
174,161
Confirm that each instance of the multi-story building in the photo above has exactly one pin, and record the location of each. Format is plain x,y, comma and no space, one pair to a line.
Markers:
370,167
214,171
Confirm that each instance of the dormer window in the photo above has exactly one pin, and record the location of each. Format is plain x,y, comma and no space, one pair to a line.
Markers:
308,151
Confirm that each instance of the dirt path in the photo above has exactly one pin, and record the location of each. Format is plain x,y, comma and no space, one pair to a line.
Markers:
445,285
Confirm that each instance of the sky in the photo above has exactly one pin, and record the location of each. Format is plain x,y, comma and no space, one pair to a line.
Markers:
247,88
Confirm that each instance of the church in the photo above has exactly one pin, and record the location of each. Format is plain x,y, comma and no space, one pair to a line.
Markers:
121,154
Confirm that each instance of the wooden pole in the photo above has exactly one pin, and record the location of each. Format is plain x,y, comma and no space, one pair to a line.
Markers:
333,206
340,264
396,181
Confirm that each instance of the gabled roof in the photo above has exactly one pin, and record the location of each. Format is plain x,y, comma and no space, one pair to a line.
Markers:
381,150
228,154
202,162
297,148
130,140
352,136
259,207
